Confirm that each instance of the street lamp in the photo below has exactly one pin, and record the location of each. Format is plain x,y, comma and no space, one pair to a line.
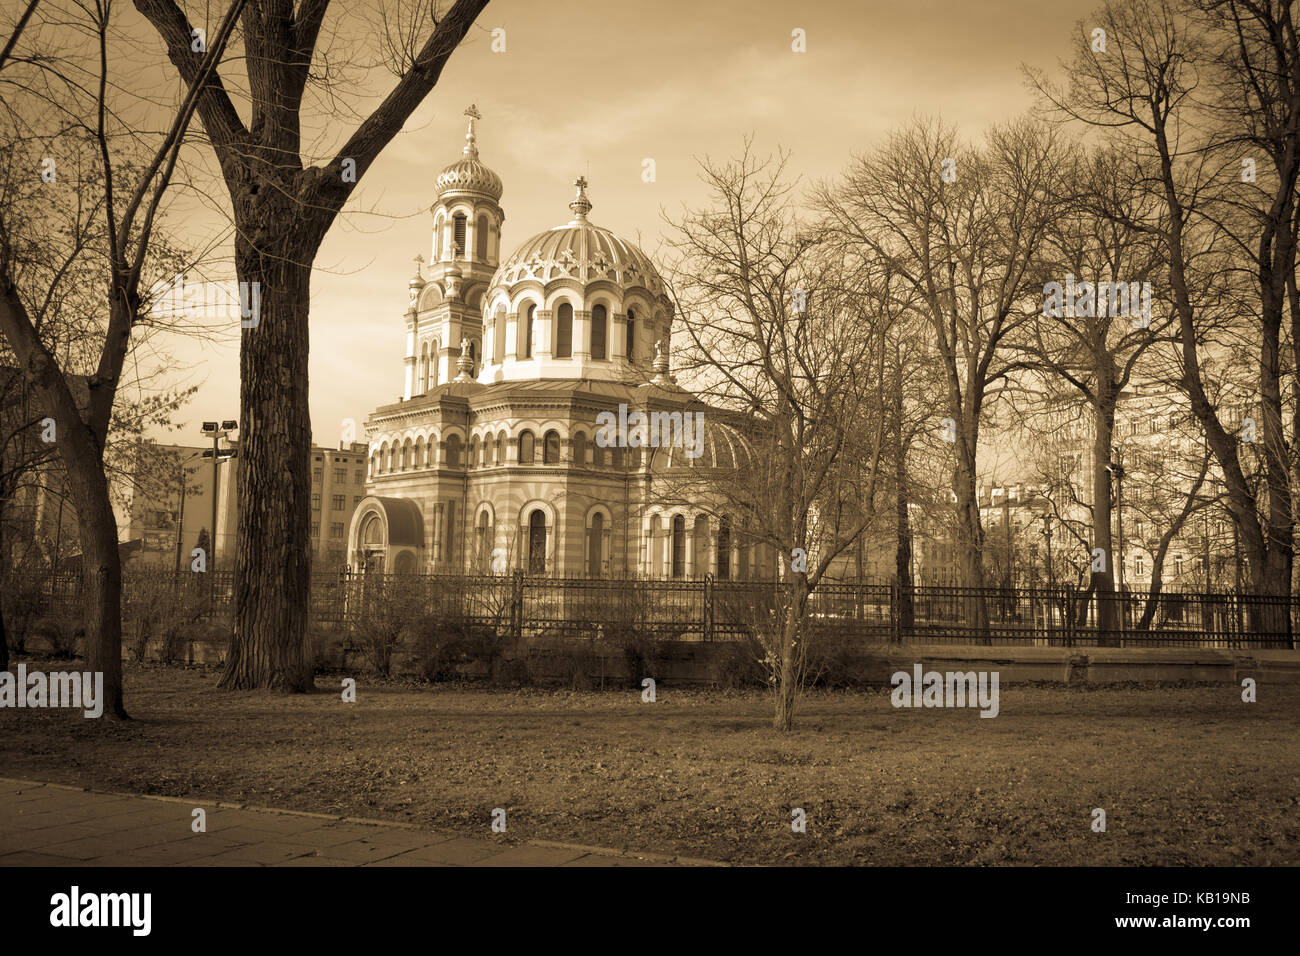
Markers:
216,431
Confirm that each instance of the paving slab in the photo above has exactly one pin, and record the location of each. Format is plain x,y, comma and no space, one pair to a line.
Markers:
50,825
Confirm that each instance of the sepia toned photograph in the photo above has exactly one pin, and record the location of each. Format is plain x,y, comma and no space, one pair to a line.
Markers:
855,436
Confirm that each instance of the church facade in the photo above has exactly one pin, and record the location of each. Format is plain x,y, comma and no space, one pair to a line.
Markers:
500,454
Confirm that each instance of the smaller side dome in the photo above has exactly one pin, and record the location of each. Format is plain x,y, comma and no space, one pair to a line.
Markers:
469,175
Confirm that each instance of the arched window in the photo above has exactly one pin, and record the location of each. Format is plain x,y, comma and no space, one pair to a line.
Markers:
432,380
599,327
630,344
551,448
537,542
724,549
473,452
392,457
596,546
501,448
481,239
655,548
419,459
525,350
526,448
406,454
458,235
453,451
483,545
700,547
597,456
564,332
679,547
487,451
580,449
499,335
423,376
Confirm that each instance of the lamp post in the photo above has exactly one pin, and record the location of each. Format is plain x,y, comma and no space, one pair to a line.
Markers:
180,519
216,431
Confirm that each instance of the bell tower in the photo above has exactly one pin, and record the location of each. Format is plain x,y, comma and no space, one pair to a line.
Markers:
446,296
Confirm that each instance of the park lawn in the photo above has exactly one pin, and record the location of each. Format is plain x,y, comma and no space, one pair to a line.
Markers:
1187,775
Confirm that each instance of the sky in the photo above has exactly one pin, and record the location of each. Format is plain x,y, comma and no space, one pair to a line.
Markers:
595,89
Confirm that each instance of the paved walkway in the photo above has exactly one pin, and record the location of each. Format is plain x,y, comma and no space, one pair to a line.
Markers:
44,824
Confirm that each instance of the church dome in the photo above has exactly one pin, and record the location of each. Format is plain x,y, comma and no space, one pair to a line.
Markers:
582,251
469,175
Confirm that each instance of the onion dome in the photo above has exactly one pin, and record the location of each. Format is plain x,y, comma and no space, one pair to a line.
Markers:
468,176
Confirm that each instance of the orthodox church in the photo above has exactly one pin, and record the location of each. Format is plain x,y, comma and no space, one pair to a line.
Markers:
495,457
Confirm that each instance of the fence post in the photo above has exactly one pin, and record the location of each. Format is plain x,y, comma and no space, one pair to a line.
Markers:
708,606
517,603
895,625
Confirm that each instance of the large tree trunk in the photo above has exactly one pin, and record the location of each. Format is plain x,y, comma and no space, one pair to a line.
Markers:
101,574
1102,583
792,649
273,575
970,535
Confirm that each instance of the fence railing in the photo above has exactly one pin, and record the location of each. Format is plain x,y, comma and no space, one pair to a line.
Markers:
708,609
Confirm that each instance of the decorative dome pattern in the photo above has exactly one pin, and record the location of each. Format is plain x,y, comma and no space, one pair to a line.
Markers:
579,250
469,174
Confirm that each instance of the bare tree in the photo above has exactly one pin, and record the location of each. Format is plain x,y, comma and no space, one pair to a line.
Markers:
283,207
962,226
100,217
776,330
1209,92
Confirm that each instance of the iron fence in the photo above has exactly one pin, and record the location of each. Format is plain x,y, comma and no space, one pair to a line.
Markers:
707,609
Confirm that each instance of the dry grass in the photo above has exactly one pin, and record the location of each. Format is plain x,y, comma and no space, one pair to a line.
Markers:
1187,775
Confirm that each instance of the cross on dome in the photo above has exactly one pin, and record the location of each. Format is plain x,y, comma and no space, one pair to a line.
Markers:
581,205
471,146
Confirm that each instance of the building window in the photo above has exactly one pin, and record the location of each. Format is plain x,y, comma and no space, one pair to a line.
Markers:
551,449
630,343
336,529
580,449
338,502
724,549
453,451
526,334
484,544
315,529
679,547
481,239
526,448
1139,565
356,500
501,449
340,476
317,475
564,332
596,546
458,235
360,478
599,328
537,542
499,335
1178,564
315,501
473,452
